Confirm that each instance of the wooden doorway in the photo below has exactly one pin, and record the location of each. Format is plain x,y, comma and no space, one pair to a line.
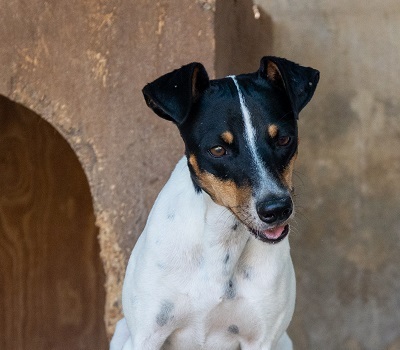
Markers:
51,277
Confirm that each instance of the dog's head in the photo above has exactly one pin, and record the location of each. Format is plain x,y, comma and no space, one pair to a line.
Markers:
240,134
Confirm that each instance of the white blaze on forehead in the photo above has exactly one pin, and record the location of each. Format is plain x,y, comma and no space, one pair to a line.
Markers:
249,131
250,137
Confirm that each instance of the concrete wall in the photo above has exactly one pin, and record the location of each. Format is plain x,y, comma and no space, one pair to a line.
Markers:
346,244
81,65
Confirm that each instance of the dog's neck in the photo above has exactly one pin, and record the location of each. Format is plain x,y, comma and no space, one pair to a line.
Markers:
224,239
229,248
226,244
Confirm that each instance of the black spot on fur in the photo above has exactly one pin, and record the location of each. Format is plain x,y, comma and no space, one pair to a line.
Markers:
165,313
235,226
197,188
230,290
226,259
233,329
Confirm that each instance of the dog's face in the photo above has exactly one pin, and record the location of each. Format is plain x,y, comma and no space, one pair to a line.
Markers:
240,134
241,154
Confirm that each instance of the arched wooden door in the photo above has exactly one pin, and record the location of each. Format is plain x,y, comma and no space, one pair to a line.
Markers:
51,277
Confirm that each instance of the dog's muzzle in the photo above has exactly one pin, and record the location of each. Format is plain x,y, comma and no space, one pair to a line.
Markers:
274,211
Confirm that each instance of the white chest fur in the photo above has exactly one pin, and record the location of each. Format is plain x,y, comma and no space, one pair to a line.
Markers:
198,280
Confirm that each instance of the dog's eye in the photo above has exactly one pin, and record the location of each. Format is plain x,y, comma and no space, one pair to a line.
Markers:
217,151
283,141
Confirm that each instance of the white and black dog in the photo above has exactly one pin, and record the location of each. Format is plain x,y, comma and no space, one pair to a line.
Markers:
212,268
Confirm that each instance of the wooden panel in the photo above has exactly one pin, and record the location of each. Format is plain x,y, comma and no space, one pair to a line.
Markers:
51,277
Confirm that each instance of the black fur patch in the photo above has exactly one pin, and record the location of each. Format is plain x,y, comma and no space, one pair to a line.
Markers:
202,130
230,290
164,314
226,259
233,329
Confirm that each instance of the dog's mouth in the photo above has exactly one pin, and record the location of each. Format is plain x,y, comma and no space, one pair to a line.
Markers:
272,235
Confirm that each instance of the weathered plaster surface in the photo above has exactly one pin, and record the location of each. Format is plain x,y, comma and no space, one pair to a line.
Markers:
81,66
346,242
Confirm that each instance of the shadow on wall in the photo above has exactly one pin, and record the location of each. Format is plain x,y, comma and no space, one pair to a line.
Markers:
240,38
345,239
51,280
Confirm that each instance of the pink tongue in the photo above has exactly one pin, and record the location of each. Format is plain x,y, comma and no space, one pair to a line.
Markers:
274,233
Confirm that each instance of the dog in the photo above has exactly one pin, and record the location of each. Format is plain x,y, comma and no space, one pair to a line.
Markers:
212,268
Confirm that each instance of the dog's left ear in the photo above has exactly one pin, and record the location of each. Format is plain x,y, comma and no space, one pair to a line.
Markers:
299,82
172,95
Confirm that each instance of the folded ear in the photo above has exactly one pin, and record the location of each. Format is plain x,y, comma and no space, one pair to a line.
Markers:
299,82
172,95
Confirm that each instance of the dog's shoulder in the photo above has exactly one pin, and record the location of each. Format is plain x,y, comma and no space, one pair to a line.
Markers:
176,203
173,229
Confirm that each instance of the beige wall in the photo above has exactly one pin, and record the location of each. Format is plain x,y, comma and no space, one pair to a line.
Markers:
346,246
81,65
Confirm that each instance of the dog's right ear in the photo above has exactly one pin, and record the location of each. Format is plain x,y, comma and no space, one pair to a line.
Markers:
299,82
172,95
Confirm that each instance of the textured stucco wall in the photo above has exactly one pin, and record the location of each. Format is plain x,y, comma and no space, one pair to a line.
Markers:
81,66
347,239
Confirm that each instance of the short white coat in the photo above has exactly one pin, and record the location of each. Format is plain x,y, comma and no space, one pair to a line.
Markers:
197,279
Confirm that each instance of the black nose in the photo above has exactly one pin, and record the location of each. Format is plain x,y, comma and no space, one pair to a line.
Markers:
275,210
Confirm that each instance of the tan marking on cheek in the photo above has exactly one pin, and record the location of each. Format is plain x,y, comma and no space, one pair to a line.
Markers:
272,130
288,172
223,192
194,164
227,137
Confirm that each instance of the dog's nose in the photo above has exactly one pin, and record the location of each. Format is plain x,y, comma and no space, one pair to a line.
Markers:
275,210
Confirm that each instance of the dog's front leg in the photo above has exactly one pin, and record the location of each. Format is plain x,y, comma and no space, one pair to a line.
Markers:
123,340
153,341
